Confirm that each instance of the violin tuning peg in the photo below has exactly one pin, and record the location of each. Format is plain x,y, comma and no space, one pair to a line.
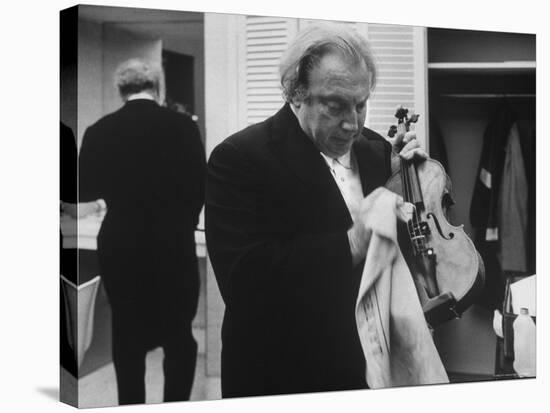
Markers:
401,112
392,131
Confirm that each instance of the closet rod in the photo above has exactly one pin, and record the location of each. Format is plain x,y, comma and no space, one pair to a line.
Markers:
488,95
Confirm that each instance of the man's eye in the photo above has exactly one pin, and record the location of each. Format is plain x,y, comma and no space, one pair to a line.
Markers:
361,106
334,107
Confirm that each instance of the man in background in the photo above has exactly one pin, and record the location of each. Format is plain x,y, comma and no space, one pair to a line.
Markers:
148,164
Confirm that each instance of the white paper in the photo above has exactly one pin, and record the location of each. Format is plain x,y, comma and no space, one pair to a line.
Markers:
524,295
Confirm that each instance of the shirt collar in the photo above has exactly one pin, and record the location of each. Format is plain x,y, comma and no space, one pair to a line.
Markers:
140,95
345,159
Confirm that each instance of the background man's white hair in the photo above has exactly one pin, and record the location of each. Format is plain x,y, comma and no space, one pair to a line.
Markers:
135,76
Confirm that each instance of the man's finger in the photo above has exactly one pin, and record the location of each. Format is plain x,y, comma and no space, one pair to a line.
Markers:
409,136
416,153
397,141
409,147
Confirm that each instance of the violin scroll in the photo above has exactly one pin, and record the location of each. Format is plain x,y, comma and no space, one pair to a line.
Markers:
403,118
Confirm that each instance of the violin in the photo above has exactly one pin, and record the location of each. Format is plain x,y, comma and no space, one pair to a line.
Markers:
448,271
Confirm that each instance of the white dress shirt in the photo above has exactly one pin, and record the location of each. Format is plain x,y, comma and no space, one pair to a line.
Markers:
346,175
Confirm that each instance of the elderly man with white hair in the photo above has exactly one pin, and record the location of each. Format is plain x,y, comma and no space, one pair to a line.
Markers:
147,162
285,225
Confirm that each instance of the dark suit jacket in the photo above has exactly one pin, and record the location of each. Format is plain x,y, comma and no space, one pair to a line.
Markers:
148,163
276,228
67,193
67,164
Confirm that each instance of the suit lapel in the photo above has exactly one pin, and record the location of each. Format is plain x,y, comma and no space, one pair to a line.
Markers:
360,150
298,153
370,159
296,150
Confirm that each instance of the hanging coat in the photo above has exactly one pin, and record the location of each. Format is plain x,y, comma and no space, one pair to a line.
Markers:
484,209
513,208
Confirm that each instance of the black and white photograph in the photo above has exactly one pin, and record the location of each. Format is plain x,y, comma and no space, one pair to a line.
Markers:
324,208
368,205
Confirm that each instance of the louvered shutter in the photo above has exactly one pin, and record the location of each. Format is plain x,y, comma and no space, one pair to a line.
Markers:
393,47
266,39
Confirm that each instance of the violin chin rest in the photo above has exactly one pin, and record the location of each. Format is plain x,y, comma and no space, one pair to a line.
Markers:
440,309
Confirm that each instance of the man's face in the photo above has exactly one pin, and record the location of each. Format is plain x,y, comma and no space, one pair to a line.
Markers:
334,112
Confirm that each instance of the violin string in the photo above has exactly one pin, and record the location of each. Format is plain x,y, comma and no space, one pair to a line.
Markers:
407,195
416,218
408,192
416,214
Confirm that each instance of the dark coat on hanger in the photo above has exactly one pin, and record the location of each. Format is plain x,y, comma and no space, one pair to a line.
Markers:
276,228
485,202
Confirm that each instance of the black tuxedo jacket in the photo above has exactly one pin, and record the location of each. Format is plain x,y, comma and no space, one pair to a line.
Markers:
276,228
148,163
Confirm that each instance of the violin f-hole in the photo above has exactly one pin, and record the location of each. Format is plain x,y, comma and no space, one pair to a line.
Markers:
432,216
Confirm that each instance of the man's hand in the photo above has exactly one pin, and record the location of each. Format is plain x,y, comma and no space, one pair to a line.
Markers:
360,233
405,146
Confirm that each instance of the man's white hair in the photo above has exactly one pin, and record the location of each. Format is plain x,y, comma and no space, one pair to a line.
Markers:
135,76
309,47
